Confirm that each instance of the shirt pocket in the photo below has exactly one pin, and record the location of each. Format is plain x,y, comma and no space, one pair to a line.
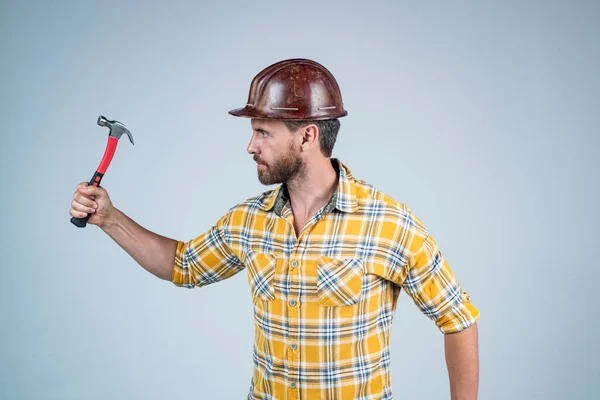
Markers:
339,281
261,273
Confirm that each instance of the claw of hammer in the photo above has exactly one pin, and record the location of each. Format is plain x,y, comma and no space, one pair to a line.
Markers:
116,128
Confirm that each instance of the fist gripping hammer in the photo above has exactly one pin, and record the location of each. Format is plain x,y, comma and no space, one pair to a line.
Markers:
117,129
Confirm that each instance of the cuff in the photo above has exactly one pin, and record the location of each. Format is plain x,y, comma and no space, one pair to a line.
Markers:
178,277
460,317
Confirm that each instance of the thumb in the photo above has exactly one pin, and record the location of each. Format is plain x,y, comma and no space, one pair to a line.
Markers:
92,191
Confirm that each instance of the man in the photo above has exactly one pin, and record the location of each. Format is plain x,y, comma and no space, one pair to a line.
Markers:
326,254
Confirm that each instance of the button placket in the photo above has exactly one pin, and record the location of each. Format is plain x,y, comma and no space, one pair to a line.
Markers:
293,315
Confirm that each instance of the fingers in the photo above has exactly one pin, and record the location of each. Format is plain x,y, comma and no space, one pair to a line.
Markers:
82,208
78,214
90,200
83,201
83,197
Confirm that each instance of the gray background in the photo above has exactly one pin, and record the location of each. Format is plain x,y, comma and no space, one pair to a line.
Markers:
480,116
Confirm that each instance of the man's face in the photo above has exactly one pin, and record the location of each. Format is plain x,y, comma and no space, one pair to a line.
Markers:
274,149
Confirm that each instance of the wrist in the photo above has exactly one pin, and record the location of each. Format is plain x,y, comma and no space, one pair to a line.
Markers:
110,221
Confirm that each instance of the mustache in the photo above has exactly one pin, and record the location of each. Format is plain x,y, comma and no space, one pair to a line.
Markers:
259,161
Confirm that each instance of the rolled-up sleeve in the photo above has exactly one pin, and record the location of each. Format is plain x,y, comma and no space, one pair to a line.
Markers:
434,288
206,259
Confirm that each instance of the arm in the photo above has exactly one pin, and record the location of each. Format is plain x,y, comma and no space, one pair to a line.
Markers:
462,360
435,290
153,252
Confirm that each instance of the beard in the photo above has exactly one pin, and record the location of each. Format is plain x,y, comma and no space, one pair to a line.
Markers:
282,170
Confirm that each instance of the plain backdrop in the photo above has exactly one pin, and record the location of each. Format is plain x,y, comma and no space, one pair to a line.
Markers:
481,116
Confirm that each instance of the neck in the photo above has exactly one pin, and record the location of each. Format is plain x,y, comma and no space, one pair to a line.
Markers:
313,188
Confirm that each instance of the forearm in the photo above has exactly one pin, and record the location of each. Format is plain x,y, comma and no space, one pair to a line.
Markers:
153,252
462,360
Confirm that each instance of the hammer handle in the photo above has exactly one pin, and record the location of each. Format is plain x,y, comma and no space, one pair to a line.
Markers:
109,152
95,181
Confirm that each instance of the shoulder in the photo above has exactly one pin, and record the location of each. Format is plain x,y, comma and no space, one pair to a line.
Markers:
380,203
251,205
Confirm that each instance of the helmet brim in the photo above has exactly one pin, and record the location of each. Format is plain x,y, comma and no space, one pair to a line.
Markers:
251,112
245,112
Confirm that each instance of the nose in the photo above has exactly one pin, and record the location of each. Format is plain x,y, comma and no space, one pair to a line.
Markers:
251,146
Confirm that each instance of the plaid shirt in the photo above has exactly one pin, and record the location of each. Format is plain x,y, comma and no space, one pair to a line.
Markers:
324,301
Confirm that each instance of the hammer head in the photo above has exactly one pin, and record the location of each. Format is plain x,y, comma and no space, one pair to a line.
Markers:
116,128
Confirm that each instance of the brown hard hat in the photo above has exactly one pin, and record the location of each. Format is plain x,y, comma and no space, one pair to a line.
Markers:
293,89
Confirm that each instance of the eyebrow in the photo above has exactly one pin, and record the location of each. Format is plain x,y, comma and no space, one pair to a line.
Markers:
260,130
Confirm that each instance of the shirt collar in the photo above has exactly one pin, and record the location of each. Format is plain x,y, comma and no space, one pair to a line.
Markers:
344,198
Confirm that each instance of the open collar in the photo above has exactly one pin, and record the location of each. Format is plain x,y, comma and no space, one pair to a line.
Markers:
344,198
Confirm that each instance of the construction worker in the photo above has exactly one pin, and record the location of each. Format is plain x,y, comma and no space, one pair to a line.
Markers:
326,254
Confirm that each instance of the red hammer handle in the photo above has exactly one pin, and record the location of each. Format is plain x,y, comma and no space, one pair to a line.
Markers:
111,146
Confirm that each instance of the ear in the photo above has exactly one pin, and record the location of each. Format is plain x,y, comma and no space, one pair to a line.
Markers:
310,136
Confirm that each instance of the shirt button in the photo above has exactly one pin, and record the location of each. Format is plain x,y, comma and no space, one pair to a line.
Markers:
293,346
293,303
294,264
293,385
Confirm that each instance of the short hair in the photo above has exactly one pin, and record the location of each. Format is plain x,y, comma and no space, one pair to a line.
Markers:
328,130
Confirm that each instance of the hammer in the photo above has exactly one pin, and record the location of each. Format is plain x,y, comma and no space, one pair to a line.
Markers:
116,130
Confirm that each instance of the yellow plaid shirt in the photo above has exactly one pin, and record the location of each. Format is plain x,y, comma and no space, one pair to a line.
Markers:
324,301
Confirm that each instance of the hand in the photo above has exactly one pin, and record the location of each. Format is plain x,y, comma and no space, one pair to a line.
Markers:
94,201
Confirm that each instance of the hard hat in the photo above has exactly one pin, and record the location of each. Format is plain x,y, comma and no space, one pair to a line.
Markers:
294,89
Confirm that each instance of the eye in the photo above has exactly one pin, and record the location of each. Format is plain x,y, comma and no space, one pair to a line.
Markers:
265,134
